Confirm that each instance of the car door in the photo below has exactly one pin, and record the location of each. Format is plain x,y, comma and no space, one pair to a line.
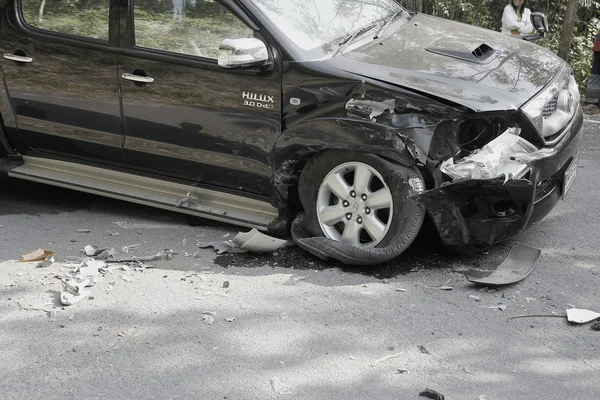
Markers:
59,60
184,116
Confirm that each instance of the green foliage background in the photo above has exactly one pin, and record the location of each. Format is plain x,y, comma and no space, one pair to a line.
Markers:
488,14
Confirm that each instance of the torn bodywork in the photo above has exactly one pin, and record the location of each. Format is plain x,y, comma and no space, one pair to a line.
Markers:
487,176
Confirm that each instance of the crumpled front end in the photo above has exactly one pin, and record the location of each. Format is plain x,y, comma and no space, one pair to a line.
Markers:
488,175
495,193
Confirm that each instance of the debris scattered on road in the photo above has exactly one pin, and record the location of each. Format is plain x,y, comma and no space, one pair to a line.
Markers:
537,316
402,371
36,255
74,291
445,286
127,278
83,231
424,350
517,266
468,371
596,326
114,233
253,241
284,315
127,249
183,242
230,319
400,290
528,299
579,316
502,307
166,254
475,297
122,224
432,394
257,242
225,285
279,387
388,357
93,251
208,317
184,202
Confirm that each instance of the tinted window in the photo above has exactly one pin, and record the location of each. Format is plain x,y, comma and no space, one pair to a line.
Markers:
81,18
194,27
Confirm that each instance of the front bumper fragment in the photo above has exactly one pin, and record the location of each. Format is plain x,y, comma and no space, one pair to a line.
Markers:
487,211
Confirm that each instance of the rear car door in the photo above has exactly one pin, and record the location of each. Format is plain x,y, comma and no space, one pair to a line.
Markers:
59,60
184,116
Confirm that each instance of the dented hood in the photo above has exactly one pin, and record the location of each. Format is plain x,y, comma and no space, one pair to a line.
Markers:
474,67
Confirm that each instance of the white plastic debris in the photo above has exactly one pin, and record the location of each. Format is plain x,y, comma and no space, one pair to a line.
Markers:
497,158
388,357
279,387
253,241
74,291
580,316
208,317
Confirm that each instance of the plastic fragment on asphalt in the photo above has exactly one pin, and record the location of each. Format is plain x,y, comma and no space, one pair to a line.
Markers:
36,255
93,251
580,316
468,371
83,231
388,357
208,317
424,350
475,297
74,291
528,299
253,241
402,371
445,286
257,242
166,254
400,290
432,394
127,249
517,266
230,319
279,387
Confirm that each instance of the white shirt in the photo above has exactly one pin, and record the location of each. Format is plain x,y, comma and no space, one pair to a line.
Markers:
510,21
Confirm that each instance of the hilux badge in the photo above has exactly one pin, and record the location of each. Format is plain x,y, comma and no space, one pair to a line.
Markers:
258,100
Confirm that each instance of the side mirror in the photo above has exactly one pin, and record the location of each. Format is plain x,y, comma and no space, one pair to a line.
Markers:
539,22
242,53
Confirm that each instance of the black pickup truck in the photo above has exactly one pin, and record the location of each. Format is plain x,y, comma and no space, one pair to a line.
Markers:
344,122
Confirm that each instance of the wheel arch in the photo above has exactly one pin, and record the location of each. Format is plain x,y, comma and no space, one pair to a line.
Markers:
296,146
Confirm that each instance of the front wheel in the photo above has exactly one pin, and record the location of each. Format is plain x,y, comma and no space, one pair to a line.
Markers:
360,201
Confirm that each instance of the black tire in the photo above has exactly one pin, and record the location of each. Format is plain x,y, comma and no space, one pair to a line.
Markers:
406,219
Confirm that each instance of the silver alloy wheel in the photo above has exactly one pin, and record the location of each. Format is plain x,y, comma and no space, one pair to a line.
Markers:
355,205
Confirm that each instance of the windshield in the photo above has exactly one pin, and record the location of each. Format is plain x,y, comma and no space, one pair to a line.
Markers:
319,27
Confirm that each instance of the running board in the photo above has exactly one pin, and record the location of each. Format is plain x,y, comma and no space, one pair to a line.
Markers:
204,203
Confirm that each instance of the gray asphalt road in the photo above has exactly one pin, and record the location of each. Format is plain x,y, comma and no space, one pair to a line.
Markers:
287,318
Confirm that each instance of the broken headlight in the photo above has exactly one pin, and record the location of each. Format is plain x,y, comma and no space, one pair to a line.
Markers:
497,158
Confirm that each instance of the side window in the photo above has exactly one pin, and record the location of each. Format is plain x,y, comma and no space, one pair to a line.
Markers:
72,17
193,27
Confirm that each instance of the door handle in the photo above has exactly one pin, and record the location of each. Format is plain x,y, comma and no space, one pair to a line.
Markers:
14,57
137,78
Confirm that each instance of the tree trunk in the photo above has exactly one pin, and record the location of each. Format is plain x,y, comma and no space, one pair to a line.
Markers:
566,35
